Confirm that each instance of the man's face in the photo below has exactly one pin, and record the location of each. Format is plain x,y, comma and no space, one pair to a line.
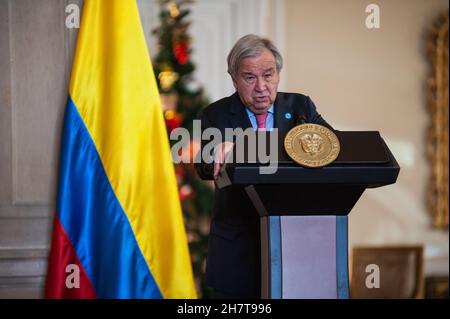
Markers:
257,81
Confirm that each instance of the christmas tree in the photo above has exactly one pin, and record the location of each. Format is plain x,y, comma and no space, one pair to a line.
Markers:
182,100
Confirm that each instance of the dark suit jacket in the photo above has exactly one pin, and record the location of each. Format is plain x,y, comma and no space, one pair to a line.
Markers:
233,262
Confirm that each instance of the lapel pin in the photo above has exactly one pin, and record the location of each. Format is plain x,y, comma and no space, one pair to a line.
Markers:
287,116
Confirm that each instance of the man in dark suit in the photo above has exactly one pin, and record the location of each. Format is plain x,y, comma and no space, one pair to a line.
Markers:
233,262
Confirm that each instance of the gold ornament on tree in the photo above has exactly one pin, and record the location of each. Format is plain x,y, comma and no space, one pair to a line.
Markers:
167,78
173,9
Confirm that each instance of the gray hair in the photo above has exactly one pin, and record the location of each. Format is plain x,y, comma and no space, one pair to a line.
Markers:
251,45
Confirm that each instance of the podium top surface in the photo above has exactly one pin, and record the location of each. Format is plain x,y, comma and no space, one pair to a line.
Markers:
364,159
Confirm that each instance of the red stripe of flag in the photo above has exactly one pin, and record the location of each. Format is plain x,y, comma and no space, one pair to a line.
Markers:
63,254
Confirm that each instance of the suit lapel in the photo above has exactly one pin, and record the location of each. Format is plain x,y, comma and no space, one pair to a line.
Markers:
284,115
239,117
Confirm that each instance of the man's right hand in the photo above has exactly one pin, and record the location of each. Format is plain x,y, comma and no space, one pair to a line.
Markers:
222,151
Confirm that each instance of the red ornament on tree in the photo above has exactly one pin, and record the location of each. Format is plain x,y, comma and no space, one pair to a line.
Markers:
181,52
173,120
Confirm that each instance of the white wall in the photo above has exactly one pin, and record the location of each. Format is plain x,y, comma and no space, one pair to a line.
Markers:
373,79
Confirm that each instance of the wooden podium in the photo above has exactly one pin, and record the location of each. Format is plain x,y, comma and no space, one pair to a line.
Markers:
303,211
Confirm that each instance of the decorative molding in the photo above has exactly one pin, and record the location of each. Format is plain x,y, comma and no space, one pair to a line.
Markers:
5,102
13,135
26,211
25,232
23,272
35,79
24,253
438,132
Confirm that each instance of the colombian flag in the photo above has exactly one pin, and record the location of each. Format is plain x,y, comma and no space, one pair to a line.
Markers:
118,219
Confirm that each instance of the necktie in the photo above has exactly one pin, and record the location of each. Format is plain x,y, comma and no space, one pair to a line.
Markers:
261,120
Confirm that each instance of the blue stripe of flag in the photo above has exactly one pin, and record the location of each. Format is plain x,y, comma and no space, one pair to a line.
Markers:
94,219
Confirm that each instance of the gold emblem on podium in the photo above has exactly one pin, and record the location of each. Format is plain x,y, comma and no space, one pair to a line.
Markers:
312,145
